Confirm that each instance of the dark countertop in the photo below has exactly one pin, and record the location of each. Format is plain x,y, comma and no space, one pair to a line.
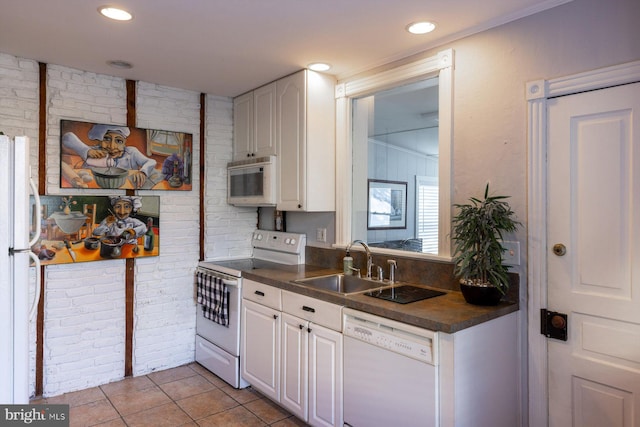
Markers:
447,313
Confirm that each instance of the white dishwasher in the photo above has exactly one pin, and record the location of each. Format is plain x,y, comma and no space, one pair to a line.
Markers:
390,372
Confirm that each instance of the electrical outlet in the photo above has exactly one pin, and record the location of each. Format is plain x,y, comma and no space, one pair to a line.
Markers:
321,234
511,255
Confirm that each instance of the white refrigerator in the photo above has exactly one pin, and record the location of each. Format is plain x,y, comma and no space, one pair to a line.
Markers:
16,310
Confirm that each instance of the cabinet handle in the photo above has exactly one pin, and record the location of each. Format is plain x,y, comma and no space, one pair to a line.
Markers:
299,206
275,316
301,326
309,309
309,330
259,293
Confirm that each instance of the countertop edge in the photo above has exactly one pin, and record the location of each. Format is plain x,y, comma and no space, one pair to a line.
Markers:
449,313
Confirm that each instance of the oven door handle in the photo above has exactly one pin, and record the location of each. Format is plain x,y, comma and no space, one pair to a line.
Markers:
230,282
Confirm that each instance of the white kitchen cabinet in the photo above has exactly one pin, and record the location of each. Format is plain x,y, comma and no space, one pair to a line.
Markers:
295,357
260,338
291,351
480,376
254,121
311,386
305,142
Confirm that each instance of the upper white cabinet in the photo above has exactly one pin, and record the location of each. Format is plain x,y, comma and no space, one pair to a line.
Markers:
254,123
305,142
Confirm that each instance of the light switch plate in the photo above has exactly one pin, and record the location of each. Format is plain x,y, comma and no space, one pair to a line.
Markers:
321,234
511,256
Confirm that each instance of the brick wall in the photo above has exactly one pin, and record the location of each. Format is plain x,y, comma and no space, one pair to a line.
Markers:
228,231
84,304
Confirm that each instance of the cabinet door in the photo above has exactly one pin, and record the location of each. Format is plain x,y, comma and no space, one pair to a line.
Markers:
260,348
295,339
291,131
243,126
325,377
264,123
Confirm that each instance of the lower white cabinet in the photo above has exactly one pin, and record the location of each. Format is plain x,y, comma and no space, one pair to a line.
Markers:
294,359
311,371
260,348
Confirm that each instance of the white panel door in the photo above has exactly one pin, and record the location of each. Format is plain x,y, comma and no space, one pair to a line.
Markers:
325,377
294,384
260,348
264,112
594,211
291,141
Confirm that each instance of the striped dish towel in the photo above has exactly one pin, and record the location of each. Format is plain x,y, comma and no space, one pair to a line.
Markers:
214,297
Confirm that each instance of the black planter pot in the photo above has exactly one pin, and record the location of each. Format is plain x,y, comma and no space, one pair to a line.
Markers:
480,294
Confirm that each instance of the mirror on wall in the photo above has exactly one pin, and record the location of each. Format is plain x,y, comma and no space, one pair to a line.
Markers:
395,155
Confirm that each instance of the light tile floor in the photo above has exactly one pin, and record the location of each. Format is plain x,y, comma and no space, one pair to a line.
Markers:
188,395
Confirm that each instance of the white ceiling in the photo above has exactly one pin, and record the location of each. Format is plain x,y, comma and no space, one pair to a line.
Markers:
227,47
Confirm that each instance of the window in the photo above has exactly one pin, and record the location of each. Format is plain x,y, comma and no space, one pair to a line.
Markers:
367,150
427,213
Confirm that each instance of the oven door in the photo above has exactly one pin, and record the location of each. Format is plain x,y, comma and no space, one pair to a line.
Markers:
225,337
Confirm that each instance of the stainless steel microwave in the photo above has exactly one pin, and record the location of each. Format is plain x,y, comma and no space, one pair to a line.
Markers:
252,182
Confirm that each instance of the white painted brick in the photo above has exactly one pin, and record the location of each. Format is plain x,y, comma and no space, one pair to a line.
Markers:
84,303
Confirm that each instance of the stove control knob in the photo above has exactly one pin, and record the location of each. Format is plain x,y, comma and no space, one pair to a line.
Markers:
258,236
287,241
293,241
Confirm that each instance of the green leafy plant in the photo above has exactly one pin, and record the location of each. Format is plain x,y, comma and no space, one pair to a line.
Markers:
477,234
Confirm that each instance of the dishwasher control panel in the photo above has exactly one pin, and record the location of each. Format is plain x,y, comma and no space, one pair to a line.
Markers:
410,341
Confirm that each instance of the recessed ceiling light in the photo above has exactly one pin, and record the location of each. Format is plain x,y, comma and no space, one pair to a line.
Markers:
115,13
423,27
118,63
319,66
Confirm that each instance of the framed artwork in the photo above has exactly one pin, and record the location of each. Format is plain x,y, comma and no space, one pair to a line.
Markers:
93,228
97,155
386,205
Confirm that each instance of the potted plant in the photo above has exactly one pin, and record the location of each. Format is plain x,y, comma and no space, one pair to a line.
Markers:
477,234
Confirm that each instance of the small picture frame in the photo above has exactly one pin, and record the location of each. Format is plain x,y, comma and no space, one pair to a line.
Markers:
386,205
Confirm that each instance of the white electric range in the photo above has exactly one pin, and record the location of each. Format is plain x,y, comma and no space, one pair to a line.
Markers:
217,346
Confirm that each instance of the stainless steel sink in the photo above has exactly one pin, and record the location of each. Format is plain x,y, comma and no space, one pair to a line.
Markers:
342,284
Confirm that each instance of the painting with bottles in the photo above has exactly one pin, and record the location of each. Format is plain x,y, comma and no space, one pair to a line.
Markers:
99,155
82,228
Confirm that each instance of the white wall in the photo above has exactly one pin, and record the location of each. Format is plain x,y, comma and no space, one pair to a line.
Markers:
228,228
85,304
489,116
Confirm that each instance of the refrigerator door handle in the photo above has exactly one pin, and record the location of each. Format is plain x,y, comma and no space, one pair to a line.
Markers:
36,298
38,209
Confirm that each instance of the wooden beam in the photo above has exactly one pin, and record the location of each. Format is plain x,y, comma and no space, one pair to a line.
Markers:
203,100
42,182
130,262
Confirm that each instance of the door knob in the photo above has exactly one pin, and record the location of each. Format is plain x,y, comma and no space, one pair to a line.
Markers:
559,249
558,321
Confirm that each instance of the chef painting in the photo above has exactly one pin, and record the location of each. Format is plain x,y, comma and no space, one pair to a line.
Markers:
110,150
96,155
120,223
84,227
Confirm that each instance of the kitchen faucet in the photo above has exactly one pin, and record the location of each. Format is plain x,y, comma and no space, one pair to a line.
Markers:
369,258
393,266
